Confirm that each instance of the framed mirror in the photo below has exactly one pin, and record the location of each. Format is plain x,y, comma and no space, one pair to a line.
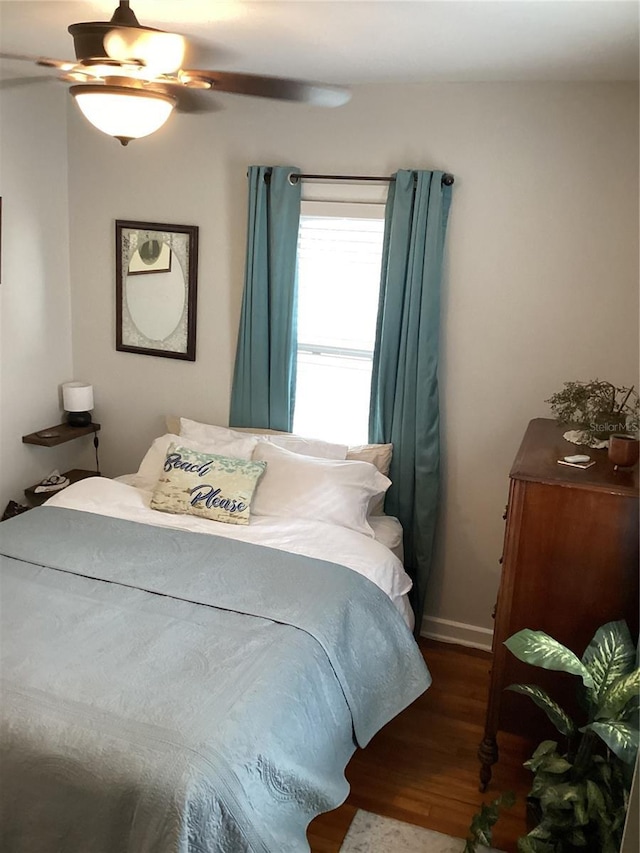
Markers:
156,289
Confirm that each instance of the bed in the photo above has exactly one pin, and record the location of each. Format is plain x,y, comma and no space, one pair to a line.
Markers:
178,686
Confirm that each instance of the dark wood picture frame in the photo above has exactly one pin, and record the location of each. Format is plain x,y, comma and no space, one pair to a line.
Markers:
185,349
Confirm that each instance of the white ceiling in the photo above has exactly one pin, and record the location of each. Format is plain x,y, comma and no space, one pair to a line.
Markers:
364,41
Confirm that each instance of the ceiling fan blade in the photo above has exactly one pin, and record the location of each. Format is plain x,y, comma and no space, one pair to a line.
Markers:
18,82
188,100
194,101
20,57
47,62
279,88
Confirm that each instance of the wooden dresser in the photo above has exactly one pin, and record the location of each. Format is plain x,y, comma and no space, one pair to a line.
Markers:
570,564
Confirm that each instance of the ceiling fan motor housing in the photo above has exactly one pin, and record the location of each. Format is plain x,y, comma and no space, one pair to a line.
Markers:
88,40
88,37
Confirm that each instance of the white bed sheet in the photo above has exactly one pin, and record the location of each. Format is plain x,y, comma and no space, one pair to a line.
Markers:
335,544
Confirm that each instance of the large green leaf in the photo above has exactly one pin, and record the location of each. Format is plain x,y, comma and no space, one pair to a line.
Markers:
631,712
560,719
620,816
581,813
545,748
541,831
562,796
482,823
621,738
526,844
539,649
556,765
610,655
619,693
603,770
595,800
541,782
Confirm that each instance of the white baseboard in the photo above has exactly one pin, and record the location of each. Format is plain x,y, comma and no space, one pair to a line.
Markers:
458,633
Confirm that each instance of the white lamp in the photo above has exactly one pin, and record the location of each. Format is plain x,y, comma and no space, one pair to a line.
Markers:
77,399
124,112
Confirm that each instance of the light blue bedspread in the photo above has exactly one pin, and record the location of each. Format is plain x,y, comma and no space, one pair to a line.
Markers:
172,692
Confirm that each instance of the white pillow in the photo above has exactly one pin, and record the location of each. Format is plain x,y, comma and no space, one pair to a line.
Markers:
173,424
308,446
296,444
152,465
330,490
380,456
377,454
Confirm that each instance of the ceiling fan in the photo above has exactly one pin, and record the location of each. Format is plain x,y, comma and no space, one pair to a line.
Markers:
127,78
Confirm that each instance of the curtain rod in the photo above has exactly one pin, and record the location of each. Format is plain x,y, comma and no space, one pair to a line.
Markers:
447,179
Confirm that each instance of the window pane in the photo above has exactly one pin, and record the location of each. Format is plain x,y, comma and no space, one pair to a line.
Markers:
338,288
338,281
332,398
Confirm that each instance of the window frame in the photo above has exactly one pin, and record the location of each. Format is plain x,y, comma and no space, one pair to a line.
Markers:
350,201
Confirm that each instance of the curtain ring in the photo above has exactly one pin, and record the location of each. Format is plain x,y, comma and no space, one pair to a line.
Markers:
293,178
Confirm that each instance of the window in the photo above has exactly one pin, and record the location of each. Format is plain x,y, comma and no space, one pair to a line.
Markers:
339,258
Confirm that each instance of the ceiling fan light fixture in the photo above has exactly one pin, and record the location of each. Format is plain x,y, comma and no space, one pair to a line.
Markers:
121,112
128,78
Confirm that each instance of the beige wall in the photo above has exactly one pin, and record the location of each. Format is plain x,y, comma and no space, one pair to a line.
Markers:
35,318
541,281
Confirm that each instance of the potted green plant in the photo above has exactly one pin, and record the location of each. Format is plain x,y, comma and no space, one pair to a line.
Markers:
597,409
580,792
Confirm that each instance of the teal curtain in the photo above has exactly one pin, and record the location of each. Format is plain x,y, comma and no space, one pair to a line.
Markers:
263,392
404,388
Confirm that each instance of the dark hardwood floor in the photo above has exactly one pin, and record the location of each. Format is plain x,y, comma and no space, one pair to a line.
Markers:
422,767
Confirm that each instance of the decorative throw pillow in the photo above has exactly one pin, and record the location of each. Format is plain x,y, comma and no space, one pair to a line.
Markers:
330,490
216,487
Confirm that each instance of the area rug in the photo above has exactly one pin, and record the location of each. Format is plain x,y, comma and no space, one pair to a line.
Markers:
371,833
